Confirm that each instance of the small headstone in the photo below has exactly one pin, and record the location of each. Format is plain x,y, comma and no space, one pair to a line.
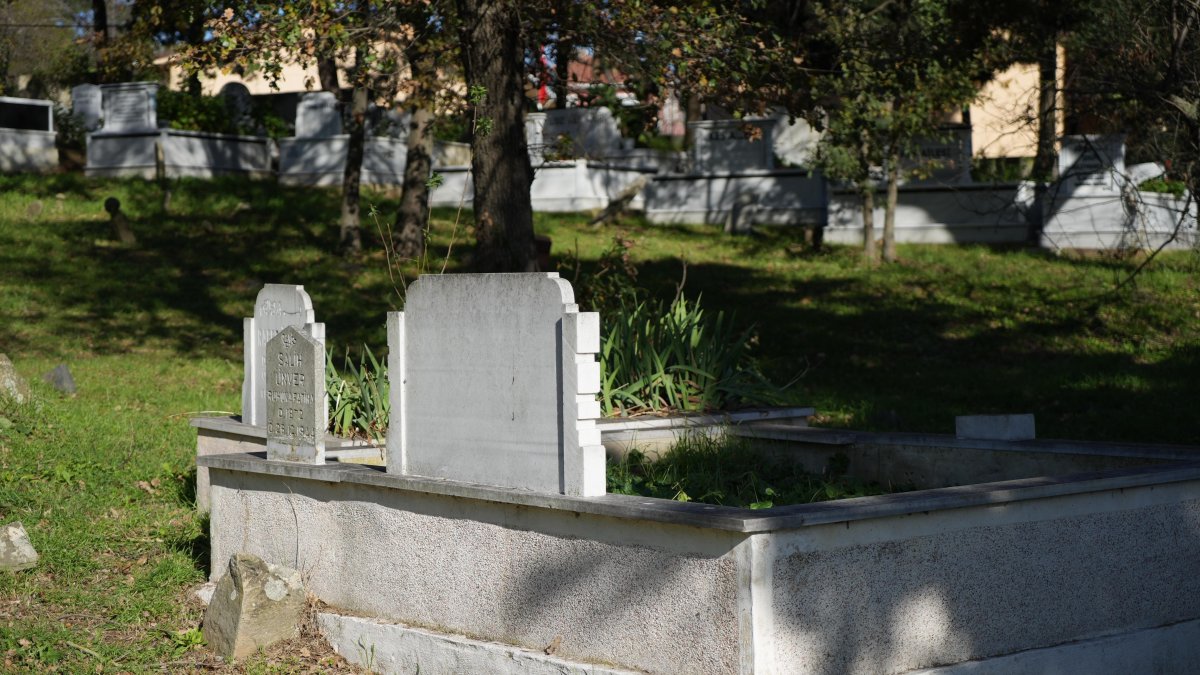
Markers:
255,605
318,116
239,103
87,105
995,427
276,307
296,410
60,378
12,385
1091,165
579,132
733,145
131,106
16,551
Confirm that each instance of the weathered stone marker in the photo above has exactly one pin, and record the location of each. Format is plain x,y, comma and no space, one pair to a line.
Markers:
296,412
494,381
16,552
276,307
255,605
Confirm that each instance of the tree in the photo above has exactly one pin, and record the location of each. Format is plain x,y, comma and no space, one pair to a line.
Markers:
890,71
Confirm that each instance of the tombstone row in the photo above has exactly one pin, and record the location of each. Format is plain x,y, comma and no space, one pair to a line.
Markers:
493,380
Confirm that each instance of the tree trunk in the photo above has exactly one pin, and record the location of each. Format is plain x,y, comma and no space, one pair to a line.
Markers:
564,52
327,72
493,59
867,188
691,114
1047,134
100,22
349,235
889,212
413,216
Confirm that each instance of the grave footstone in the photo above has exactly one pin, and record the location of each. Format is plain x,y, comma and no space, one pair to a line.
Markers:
130,107
494,381
87,105
255,605
318,116
12,384
276,307
60,378
296,410
16,551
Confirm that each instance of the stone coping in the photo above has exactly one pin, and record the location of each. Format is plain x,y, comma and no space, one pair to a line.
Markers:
725,518
1152,451
648,422
942,187
234,426
745,173
179,132
29,132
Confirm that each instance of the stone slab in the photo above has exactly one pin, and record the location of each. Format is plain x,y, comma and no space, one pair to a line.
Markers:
1092,165
487,373
297,413
87,104
393,648
16,551
318,115
725,146
130,106
999,427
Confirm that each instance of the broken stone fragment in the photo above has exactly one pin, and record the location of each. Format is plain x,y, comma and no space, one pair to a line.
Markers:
12,385
255,605
16,551
61,379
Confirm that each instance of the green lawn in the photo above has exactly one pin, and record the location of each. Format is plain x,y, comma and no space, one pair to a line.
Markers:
153,333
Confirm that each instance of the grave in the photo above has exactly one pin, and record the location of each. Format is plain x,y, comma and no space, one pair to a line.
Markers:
1009,556
27,139
130,141
733,146
316,155
297,412
586,133
944,158
278,306
87,105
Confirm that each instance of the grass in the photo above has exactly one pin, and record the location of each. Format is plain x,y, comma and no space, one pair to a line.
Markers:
102,480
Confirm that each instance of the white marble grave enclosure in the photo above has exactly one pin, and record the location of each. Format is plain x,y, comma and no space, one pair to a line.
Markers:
493,380
27,135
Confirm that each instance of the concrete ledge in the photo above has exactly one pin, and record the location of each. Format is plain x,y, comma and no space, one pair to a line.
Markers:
723,517
388,648
1163,650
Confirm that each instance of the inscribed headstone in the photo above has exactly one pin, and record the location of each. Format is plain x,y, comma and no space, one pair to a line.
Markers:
87,104
318,115
946,157
722,146
296,409
130,106
26,114
494,378
276,307
1092,165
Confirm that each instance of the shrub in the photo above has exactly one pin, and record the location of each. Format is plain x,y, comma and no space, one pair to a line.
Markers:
358,396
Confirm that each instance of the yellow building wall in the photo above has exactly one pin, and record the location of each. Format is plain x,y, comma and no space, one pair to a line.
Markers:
1004,116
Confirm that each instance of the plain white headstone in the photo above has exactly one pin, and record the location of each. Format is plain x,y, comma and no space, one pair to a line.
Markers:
276,307
87,104
494,381
318,115
130,106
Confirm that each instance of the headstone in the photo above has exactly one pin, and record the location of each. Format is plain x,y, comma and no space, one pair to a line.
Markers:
995,427
575,132
318,115
26,114
494,381
1140,173
945,158
12,384
732,146
130,106
16,551
276,307
60,378
255,605
87,104
296,409
239,103
1091,165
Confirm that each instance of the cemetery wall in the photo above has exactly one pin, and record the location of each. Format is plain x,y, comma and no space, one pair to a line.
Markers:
933,215
782,197
185,153
25,150
322,160
1112,222
559,187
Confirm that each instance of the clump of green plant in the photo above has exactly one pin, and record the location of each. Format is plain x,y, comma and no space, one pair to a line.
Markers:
18,419
679,357
213,114
728,471
1164,185
358,396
